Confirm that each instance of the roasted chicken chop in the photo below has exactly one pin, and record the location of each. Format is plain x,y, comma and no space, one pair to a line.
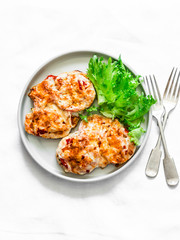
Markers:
57,99
99,142
71,91
49,122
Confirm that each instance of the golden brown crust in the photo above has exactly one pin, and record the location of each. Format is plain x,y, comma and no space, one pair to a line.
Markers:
114,142
42,93
70,91
55,98
99,142
74,121
48,122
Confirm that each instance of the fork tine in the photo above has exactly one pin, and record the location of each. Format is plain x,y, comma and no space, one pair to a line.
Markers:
177,97
157,88
153,88
175,87
167,85
170,89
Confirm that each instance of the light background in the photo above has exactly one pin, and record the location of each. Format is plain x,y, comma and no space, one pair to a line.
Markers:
37,205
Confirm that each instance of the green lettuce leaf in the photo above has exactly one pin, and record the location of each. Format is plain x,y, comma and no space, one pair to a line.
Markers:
117,93
92,109
83,117
136,135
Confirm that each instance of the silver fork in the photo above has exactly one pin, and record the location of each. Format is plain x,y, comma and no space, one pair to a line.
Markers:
158,112
170,101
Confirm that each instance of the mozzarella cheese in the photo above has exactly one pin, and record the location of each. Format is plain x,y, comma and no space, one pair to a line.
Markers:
71,91
99,142
48,122
57,99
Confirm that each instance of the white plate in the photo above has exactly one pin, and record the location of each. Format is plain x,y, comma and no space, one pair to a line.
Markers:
43,150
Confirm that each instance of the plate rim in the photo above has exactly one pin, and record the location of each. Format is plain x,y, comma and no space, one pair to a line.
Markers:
45,166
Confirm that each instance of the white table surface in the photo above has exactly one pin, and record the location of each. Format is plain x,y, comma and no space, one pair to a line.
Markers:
33,203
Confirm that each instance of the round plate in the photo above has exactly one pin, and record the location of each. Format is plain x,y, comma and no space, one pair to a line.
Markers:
43,151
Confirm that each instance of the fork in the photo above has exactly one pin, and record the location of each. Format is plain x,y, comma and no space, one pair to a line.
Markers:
170,101
158,111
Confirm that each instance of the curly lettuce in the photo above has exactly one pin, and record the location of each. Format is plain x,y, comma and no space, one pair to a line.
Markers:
117,94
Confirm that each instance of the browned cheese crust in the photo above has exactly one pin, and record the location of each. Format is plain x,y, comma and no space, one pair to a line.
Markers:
70,91
48,122
99,142
56,99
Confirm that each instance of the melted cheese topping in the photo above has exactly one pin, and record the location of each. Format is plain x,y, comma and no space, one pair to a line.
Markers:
55,99
99,142
48,122
70,91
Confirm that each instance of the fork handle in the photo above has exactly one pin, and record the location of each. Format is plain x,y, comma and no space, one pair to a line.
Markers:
170,171
152,166
153,163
